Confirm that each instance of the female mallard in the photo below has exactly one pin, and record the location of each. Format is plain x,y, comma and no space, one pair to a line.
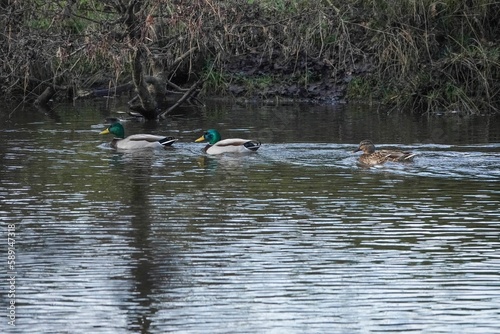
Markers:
135,142
233,145
372,157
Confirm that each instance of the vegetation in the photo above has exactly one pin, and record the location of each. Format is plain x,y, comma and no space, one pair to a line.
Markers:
424,56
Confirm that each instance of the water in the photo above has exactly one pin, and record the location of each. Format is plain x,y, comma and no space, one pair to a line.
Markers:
294,239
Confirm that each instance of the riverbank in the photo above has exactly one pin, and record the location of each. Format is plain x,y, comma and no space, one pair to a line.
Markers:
423,57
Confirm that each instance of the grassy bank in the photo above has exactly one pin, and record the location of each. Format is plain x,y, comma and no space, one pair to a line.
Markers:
423,56
420,56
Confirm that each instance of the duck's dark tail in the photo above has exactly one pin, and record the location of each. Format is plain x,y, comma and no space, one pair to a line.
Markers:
252,145
167,141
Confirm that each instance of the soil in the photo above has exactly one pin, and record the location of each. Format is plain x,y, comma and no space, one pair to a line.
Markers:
286,79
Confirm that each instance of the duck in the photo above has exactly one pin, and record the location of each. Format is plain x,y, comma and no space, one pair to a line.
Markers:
134,142
231,145
371,157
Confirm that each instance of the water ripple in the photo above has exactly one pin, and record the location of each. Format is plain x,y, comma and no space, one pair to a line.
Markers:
296,238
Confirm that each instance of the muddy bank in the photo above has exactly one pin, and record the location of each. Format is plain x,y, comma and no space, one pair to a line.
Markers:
255,78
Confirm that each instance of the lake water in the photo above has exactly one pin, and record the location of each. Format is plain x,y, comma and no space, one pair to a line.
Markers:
294,239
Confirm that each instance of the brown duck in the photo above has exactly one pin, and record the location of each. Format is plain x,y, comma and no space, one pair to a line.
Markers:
372,157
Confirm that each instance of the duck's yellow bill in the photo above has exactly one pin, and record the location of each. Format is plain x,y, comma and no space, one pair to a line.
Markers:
202,138
104,132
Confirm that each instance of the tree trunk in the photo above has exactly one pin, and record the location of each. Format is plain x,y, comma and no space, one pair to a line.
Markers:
148,103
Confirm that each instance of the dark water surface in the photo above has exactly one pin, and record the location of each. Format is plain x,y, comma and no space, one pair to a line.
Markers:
294,239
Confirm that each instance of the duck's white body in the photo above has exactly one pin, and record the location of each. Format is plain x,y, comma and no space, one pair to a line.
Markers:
140,141
232,145
135,142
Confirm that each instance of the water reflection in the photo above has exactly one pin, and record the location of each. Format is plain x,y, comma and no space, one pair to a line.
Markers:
295,238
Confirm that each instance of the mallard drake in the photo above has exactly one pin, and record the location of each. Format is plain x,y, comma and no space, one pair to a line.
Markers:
372,157
137,141
231,145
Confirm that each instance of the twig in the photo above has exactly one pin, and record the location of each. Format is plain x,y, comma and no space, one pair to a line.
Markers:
183,56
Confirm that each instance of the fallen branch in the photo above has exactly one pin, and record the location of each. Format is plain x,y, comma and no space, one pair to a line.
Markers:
182,99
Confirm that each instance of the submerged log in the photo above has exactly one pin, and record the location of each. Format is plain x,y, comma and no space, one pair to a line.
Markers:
44,98
116,90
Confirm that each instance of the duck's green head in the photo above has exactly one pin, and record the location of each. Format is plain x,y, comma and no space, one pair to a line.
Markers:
211,136
116,129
